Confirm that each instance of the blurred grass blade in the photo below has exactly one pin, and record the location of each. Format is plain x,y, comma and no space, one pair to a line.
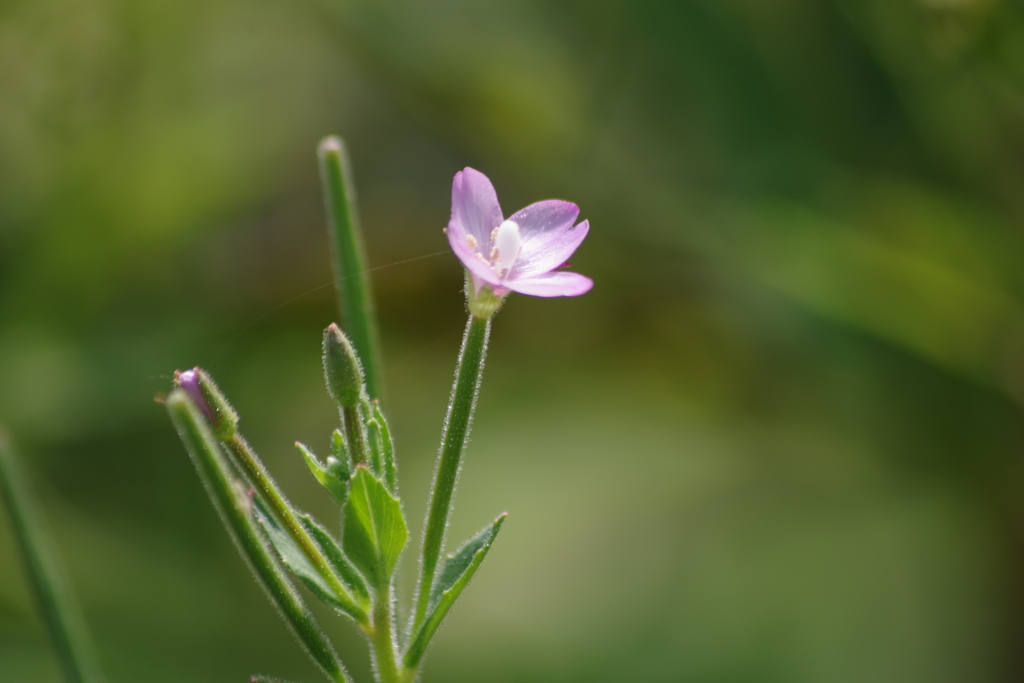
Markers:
235,512
59,611
354,297
456,574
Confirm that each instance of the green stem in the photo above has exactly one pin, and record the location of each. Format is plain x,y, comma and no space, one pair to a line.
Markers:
254,467
58,608
350,273
355,435
382,638
453,441
235,511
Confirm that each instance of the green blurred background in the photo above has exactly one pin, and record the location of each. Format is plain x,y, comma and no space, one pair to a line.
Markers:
780,441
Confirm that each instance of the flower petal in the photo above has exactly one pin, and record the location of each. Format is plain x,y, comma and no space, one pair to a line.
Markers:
475,208
561,283
549,237
470,259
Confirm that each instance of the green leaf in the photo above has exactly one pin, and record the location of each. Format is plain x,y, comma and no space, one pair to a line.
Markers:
373,440
375,529
387,448
292,557
453,578
458,562
341,564
333,476
216,475
340,450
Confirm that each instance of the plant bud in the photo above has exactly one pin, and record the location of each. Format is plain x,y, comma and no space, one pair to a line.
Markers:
342,369
204,392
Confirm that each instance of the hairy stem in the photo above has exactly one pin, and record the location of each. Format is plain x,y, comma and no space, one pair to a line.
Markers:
355,435
253,466
453,441
382,640
234,508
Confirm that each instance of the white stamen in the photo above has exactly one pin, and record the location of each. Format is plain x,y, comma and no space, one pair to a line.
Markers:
471,241
507,243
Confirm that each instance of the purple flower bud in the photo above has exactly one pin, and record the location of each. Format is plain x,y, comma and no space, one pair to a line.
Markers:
189,381
205,394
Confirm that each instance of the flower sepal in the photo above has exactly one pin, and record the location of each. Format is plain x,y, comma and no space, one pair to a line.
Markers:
481,299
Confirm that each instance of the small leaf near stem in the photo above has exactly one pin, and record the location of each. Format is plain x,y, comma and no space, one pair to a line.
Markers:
387,449
56,603
453,441
339,450
458,563
333,476
247,461
250,463
216,475
350,273
456,574
375,530
373,439
374,536
332,551
295,559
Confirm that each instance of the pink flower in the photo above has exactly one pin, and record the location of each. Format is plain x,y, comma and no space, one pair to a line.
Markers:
521,254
